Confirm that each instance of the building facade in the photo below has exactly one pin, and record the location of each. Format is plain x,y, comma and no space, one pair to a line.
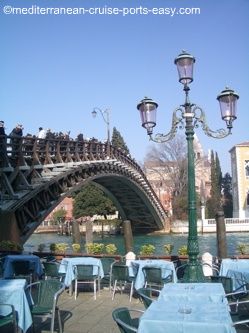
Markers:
240,179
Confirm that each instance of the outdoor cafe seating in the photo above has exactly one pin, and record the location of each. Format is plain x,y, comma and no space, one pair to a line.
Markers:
21,265
147,295
67,267
12,291
165,269
8,316
237,270
120,277
87,274
189,308
126,319
45,295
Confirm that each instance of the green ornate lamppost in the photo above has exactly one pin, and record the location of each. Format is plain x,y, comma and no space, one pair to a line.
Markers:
188,116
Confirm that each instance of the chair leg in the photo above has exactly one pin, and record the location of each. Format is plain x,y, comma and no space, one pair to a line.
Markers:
99,285
75,289
52,322
131,291
110,283
59,321
114,289
94,289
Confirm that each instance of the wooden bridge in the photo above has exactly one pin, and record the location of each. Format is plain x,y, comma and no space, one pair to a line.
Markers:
36,174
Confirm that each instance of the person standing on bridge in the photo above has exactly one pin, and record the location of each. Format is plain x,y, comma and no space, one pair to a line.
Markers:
3,152
2,129
42,133
15,141
17,132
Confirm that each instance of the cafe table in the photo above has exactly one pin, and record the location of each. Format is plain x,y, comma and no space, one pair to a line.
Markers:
67,267
187,313
12,291
34,261
208,292
136,269
237,269
233,264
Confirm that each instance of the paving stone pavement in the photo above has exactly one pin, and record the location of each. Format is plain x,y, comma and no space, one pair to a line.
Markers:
86,315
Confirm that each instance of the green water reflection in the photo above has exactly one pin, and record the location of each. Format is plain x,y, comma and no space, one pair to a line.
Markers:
207,242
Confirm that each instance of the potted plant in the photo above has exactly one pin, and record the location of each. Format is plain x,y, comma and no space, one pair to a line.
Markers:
7,245
52,247
147,250
94,248
41,247
168,248
183,250
61,247
111,249
243,248
76,247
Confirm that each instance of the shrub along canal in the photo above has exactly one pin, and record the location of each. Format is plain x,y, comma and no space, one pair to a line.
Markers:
207,242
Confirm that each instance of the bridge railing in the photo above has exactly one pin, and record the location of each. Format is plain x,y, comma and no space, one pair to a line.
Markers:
31,152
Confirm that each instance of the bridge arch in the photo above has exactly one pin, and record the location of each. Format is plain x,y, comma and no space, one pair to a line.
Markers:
38,174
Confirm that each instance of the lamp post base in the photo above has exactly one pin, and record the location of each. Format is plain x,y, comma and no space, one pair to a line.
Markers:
193,273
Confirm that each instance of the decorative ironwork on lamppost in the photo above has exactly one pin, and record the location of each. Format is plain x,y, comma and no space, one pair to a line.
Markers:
188,116
106,117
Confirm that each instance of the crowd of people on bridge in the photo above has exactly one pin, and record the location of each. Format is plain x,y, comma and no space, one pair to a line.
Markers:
43,133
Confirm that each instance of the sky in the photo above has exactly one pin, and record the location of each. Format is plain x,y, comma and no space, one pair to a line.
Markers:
55,68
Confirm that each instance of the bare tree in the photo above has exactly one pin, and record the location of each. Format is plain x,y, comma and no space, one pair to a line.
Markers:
169,160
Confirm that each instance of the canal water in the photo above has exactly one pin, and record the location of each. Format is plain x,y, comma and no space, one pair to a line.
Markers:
207,242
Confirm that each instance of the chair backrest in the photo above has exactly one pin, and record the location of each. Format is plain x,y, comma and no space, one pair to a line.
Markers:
227,282
123,319
152,274
51,269
120,272
21,267
107,263
45,292
145,296
180,271
85,272
7,316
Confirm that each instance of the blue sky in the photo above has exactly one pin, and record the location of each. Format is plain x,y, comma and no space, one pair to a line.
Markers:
56,68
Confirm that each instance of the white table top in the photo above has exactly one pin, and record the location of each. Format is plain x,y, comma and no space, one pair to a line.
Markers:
198,292
237,269
233,264
12,292
187,314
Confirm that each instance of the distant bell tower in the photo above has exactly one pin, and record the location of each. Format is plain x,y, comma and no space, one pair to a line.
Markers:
240,179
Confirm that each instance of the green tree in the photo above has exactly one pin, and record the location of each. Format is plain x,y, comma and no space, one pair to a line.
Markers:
214,202
227,195
118,141
59,216
90,201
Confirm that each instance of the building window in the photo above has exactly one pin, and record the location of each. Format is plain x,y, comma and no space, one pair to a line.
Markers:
247,168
